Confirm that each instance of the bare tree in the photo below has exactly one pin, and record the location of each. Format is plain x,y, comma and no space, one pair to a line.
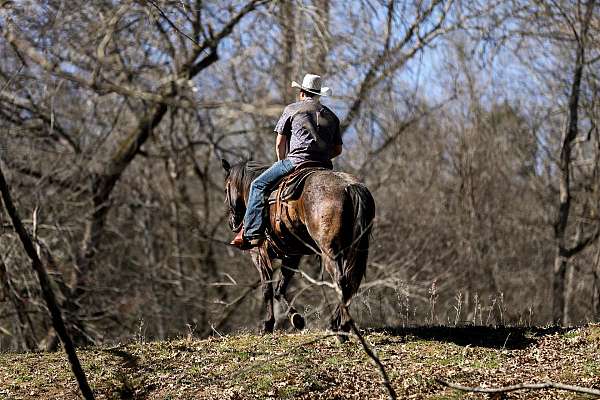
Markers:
564,251
112,118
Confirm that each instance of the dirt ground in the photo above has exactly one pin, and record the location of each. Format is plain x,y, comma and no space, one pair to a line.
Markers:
313,365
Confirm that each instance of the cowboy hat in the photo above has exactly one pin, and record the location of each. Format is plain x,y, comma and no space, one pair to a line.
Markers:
312,84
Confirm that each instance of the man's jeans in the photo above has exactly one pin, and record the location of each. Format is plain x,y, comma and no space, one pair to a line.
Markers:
254,220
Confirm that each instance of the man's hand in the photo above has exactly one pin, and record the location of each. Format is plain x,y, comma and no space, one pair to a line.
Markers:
281,147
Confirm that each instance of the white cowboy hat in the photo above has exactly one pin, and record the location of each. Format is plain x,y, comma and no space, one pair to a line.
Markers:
312,83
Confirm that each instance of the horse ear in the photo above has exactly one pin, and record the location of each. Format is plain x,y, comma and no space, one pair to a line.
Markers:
225,165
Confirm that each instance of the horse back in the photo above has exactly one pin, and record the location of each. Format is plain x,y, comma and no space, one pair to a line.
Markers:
319,217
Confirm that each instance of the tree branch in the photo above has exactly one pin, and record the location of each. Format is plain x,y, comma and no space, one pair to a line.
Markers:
371,353
520,386
583,243
104,182
384,65
48,294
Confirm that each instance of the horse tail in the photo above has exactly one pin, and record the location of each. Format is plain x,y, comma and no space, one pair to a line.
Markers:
363,209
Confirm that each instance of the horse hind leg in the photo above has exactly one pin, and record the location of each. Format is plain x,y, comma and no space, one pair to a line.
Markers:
354,270
341,319
347,276
333,263
357,252
288,269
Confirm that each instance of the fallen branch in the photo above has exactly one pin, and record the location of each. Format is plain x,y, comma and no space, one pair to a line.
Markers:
47,293
520,386
371,353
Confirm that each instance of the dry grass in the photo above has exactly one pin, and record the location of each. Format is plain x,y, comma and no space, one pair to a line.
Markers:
311,366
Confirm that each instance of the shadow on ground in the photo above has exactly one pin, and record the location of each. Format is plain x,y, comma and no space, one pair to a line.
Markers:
510,338
128,360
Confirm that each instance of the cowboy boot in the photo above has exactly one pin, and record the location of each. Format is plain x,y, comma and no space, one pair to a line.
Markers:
242,243
238,240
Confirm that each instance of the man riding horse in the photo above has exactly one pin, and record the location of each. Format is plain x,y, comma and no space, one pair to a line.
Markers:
313,134
314,211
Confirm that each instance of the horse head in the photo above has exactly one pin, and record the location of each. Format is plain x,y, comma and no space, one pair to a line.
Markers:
237,186
234,199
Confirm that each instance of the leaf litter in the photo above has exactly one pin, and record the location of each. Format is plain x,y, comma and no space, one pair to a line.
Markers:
313,365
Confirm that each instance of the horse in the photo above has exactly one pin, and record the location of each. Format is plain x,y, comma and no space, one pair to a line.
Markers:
332,216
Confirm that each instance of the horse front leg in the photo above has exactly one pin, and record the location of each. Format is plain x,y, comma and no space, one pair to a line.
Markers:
289,265
263,264
269,321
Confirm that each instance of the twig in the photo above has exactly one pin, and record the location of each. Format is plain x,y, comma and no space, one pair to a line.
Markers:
230,309
8,82
216,331
520,386
314,281
361,339
173,25
371,353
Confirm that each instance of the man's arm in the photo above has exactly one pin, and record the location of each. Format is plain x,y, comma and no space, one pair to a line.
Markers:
281,146
336,149
284,130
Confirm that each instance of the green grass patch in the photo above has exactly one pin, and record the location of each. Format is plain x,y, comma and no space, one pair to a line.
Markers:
571,334
594,334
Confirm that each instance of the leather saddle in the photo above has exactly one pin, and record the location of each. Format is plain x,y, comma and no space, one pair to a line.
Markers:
291,185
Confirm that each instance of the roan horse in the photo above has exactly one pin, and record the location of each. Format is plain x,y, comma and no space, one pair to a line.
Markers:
332,217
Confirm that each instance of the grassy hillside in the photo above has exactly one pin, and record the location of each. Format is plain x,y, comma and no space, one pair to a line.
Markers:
311,365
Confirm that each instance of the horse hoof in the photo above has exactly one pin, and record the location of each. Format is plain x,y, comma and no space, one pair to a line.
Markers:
267,327
297,321
342,339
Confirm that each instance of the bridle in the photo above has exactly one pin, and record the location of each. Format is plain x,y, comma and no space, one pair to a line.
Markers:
236,217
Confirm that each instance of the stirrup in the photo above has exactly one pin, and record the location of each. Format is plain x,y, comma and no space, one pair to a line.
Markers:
247,244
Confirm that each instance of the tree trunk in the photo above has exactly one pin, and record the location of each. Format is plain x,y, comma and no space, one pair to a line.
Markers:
321,38
562,252
287,23
558,289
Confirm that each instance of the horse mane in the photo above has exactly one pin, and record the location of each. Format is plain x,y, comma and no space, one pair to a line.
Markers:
241,175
